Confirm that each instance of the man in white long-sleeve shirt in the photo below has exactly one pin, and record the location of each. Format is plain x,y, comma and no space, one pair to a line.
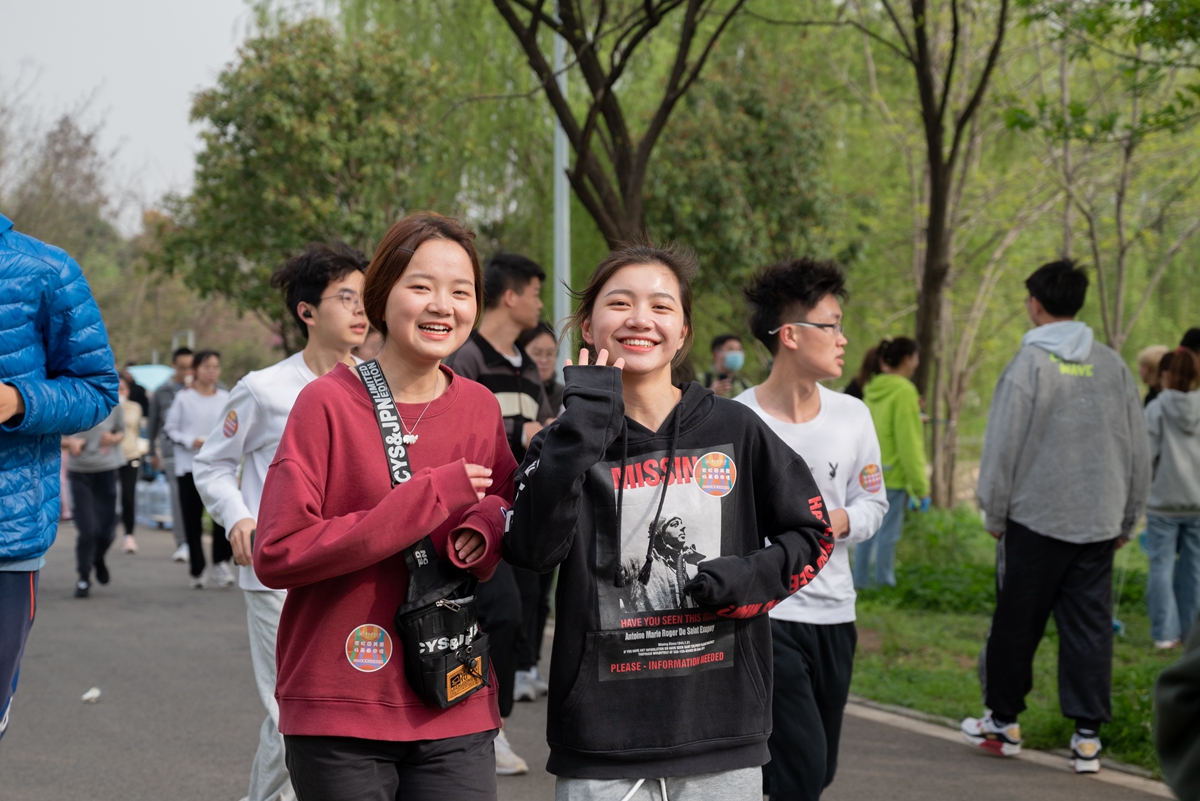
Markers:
795,312
323,289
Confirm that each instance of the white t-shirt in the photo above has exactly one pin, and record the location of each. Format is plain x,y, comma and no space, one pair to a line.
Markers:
191,415
841,449
248,428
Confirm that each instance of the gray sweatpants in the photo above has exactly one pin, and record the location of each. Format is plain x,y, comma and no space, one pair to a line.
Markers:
176,510
745,784
269,780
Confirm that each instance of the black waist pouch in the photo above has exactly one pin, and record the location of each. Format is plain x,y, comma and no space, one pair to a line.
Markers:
445,654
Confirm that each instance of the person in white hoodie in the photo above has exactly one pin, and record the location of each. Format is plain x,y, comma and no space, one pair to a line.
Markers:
795,312
1173,511
1062,482
322,287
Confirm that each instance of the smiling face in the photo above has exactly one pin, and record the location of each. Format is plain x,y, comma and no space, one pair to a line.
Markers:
638,317
818,352
431,308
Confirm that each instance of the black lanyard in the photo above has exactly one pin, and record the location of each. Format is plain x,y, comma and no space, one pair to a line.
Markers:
424,573
388,418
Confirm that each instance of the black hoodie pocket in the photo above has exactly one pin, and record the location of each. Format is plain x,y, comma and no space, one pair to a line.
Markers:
583,679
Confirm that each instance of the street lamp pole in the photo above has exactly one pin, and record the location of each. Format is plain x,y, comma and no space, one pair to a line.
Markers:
562,212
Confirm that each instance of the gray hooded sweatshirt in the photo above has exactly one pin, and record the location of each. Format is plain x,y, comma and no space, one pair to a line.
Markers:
1173,420
1066,452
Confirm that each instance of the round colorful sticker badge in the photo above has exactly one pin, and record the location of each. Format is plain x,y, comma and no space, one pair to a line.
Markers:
716,474
368,648
871,478
231,424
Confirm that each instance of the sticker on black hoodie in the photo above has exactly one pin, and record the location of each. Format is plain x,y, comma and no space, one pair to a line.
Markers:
650,627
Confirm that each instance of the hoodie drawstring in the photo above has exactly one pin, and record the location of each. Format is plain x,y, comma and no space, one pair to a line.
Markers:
662,785
619,579
644,573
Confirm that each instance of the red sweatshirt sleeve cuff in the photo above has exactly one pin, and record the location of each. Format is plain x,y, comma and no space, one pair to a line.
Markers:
452,485
488,519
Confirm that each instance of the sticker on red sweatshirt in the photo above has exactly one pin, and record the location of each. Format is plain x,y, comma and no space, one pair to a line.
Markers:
368,648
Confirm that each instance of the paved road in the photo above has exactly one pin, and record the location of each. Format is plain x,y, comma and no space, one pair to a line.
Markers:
178,716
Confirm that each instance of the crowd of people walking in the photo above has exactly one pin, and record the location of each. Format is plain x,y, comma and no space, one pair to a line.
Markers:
404,511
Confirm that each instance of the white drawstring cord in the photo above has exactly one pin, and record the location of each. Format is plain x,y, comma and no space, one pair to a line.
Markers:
662,783
636,787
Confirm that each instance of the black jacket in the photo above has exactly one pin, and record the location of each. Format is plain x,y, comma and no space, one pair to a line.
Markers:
662,654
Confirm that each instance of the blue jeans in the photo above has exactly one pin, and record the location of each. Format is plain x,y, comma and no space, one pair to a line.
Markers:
882,545
1172,586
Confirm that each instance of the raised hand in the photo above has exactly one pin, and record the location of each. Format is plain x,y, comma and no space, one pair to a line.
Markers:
601,359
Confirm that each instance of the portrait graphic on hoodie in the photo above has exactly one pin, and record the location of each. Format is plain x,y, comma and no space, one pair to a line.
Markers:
650,625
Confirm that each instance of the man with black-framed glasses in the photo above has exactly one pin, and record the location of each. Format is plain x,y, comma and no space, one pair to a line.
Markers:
322,287
795,311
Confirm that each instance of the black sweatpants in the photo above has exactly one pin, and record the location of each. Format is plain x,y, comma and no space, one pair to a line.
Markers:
94,496
193,526
812,668
1037,575
535,609
349,769
499,608
127,474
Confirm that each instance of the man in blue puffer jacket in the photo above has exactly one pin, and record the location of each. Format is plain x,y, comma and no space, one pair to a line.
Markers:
56,377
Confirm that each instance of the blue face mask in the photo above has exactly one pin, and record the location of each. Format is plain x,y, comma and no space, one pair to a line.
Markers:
734,360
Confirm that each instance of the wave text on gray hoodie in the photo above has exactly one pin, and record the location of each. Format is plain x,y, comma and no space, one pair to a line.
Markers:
1065,452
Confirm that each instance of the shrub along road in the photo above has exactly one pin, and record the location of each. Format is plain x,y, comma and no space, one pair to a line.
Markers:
178,715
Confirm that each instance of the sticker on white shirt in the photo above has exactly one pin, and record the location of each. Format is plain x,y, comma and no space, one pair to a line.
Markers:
716,474
231,424
871,478
368,648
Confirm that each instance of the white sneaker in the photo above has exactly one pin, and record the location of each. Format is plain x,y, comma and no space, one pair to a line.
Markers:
539,684
1085,753
129,544
523,687
508,763
984,733
182,553
222,576
1166,645
198,582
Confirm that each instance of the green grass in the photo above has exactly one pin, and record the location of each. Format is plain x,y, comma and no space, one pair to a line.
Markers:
919,643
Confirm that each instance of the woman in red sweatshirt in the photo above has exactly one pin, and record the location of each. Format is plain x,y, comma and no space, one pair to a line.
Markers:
332,528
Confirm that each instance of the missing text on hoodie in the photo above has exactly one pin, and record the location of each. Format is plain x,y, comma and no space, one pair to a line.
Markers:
651,628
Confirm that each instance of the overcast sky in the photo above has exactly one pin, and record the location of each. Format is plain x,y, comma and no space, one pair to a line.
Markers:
139,61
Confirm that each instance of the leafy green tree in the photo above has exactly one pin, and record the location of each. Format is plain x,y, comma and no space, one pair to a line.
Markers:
308,136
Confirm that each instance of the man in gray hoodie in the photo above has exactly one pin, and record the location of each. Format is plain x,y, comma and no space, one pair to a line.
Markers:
1063,480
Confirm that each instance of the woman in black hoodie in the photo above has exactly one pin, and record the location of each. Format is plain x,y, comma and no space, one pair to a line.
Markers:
656,500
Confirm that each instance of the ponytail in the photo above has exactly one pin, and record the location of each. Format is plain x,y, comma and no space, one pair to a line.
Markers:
891,352
1183,367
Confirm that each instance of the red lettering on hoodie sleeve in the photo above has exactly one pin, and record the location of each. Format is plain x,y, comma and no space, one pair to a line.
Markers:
817,507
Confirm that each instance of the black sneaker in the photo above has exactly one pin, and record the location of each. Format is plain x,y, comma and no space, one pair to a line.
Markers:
101,570
81,588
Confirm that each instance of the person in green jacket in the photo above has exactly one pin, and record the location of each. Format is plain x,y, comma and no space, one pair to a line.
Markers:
895,407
